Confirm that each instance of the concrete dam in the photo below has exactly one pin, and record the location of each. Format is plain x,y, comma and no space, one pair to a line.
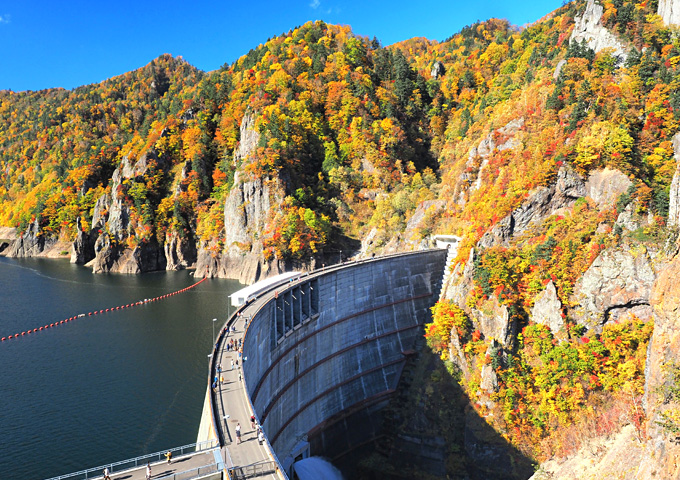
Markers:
324,352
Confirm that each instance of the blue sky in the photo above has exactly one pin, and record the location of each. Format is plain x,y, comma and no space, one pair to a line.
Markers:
47,44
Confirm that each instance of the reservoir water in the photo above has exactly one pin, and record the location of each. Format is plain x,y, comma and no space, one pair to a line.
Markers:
104,388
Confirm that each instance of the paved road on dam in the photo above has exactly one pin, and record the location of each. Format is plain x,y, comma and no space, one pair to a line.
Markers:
231,399
163,469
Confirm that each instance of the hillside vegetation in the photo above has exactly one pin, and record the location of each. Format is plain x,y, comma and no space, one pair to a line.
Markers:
551,158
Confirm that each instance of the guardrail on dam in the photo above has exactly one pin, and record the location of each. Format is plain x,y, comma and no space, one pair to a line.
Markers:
333,345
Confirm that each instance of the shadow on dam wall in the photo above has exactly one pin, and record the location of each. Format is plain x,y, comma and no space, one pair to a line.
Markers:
326,355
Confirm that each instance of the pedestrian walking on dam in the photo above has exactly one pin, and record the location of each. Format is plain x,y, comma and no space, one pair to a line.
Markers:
168,455
232,364
252,422
238,433
148,471
106,474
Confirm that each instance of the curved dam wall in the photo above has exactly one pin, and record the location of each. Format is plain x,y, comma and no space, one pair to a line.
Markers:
334,344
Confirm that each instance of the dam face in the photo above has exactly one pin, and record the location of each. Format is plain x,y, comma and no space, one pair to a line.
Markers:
327,352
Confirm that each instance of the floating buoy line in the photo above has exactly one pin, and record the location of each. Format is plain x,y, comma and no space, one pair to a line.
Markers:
99,312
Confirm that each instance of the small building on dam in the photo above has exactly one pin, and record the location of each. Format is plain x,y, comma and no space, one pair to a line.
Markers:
324,352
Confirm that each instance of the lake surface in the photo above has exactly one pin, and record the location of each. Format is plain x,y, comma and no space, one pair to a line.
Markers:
103,388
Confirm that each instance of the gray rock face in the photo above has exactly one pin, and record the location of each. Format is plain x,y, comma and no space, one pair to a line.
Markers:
547,309
588,27
618,282
31,244
674,201
558,69
249,139
437,69
82,249
100,213
489,379
105,254
248,209
180,253
461,280
111,227
496,324
456,353
246,212
669,11
542,202
505,138
605,187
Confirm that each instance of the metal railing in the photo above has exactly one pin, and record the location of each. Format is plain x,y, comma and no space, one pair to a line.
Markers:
253,470
129,464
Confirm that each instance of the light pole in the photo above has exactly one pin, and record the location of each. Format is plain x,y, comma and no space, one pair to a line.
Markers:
209,369
214,320
226,426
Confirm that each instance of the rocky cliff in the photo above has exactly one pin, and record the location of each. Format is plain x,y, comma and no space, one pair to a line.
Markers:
588,28
628,280
650,451
112,244
248,211
669,10
33,243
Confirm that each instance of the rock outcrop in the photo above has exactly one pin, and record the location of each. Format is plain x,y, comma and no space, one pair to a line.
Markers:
438,69
104,247
461,281
606,186
662,457
31,244
674,198
248,210
618,283
82,249
180,252
547,310
669,11
495,322
542,202
588,28
626,455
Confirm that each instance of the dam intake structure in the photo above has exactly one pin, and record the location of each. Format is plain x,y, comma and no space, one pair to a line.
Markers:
323,352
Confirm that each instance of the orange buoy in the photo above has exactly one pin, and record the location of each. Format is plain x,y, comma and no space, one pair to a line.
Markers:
35,329
51,324
40,328
9,337
3,339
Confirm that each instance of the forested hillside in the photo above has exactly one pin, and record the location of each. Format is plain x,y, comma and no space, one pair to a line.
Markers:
548,150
